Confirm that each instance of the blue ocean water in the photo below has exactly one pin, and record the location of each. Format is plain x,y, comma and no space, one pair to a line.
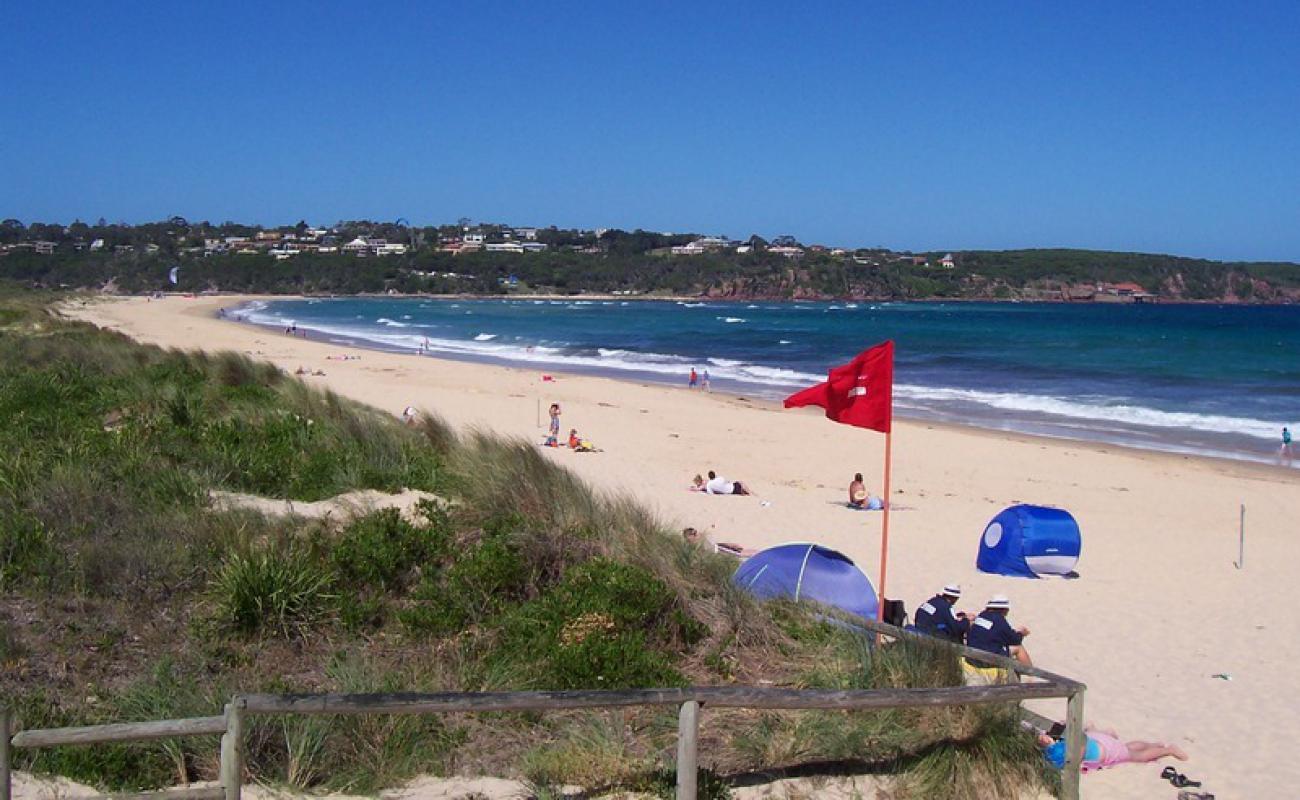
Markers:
1218,380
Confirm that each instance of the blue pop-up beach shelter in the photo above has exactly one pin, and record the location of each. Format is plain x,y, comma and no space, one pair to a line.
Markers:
806,571
1029,541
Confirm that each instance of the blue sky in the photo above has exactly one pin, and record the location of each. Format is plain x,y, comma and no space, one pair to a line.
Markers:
1171,127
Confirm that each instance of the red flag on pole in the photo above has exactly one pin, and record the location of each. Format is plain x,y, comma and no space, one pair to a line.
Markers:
859,393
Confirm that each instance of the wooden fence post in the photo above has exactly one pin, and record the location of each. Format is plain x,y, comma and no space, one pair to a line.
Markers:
1074,743
232,750
688,726
6,730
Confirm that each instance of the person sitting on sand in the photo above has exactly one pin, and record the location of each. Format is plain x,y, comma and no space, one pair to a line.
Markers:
858,492
726,548
579,444
991,632
300,370
935,616
409,414
719,485
1103,748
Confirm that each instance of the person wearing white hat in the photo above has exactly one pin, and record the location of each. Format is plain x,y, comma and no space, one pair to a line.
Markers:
991,632
935,616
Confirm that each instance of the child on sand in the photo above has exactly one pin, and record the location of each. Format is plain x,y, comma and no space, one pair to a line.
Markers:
1104,749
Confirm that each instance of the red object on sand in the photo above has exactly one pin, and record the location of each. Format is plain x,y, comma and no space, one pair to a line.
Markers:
859,393
547,378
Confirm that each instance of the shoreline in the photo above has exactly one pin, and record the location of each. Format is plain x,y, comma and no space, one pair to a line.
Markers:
1093,432
1158,609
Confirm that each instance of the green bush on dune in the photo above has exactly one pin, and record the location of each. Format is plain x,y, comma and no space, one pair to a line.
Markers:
524,578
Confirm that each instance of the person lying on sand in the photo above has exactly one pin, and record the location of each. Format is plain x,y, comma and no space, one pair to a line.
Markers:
719,485
1103,748
726,548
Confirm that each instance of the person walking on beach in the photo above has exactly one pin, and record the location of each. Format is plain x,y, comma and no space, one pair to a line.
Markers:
991,632
692,380
1286,453
704,381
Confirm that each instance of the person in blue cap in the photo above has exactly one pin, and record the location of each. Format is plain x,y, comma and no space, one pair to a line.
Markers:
991,632
935,616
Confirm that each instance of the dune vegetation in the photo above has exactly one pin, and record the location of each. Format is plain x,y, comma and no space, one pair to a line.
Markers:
126,593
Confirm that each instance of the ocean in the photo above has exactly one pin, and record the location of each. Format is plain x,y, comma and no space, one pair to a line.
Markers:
1202,379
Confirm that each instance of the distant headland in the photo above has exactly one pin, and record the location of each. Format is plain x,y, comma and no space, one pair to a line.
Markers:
467,258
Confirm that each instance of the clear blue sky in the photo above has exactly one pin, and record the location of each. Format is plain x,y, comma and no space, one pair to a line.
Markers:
1170,127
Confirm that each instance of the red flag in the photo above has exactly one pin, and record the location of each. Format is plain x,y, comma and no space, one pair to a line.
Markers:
859,393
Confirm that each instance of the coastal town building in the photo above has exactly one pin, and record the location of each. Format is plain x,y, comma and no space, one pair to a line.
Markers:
947,262
787,251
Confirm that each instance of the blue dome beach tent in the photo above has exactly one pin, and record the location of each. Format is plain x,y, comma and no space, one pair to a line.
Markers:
1030,541
806,571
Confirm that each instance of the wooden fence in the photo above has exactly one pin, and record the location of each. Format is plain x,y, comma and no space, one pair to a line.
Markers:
689,701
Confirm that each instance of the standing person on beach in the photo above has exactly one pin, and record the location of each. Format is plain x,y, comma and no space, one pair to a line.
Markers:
991,632
692,380
1285,453
704,381
555,421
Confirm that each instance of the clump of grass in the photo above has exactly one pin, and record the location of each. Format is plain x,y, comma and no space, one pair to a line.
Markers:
279,591
592,753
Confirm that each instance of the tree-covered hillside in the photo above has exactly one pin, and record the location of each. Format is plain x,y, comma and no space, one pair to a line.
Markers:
238,258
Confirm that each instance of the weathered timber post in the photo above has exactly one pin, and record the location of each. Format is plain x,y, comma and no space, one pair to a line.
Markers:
6,730
232,750
688,727
1074,743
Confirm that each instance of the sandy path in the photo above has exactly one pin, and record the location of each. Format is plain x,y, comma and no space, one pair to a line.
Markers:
1158,610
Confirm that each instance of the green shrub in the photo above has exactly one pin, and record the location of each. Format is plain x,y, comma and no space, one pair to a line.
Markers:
478,584
606,624
379,551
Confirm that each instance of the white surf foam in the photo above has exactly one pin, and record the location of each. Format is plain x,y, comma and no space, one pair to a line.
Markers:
1113,412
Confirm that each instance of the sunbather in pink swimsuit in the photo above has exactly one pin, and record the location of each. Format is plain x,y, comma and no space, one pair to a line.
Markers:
1113,752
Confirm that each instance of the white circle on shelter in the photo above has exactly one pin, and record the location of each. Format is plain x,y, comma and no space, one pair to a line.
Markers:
993,534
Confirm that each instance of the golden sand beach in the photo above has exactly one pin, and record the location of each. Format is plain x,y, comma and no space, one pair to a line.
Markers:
1159,609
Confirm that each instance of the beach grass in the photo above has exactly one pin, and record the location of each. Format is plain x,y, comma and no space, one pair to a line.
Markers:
142,600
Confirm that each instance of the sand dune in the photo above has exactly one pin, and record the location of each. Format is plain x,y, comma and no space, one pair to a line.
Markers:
1159,609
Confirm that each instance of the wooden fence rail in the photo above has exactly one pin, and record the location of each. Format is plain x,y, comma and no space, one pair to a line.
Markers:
690,701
